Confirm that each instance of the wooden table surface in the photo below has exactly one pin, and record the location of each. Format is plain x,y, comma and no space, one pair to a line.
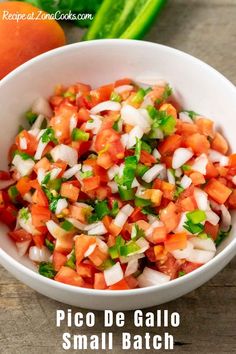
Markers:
206,29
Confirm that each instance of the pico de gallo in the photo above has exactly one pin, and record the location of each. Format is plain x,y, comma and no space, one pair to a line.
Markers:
117,187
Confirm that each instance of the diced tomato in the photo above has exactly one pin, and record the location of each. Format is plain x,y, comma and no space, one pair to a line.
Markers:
168,190
197,178
104,160
39,197
159,234
98,257
40,215
85,270
106,221
176,241
211,170
4,175
43,163
20,235
28,139
39,240
8,215
61,121
67,275
101,172
169,267
82,244
91,183
137,215
23,185
219,144
114,230
188,267
169,109
131,281
99,281
121,82
170,144
83,115
211,230
64,244
217,191
146,158
232,200
121,285
69,191
58,260
232,160
105,138
205,127
185,129
186,204
78,212
198,143
169,217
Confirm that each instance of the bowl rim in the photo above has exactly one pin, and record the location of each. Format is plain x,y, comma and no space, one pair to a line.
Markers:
224,254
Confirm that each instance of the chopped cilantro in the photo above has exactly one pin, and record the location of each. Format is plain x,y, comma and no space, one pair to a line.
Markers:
178,191
31,117
193,228
50,245
49,135
181,273
186,167
115,97
222,235
86,174
24,214
67,225
137,232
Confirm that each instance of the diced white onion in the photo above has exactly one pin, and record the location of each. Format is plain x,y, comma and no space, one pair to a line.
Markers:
38,123
27,197
127,259
73,122
133,116
123,215
114,186
71,171
185,182
113,275
65,153
90,250
178,172
135,183
123,88
55,230
22,247
54,173
183,253
132,267
180,227
201,199
184,117
153,172
150,81
39,255
143,244
77,224
40,149
212,217
114,170
157,133
127,209
200,164
216,156
23,143
61,205
41,175
96,228
181,156
226,218
205,244
95,125
41,106
200,256
106,106
151,277
156,154
24,167
134,134
102,245
170,176
124,139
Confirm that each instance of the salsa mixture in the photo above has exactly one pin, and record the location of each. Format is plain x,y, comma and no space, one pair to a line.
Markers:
117,187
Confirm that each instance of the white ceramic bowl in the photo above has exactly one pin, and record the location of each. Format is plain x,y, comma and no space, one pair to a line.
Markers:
197,86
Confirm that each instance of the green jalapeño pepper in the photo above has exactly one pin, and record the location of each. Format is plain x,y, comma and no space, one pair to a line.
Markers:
124,19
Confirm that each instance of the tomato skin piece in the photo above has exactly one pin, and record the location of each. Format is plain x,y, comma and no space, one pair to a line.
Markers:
20,235
58,260
69,276
217,191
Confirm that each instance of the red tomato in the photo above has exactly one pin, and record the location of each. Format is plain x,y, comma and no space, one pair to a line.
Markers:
69,276
58,260
4,175
31,142
188,267
170,266
20,235
8,215
105,138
